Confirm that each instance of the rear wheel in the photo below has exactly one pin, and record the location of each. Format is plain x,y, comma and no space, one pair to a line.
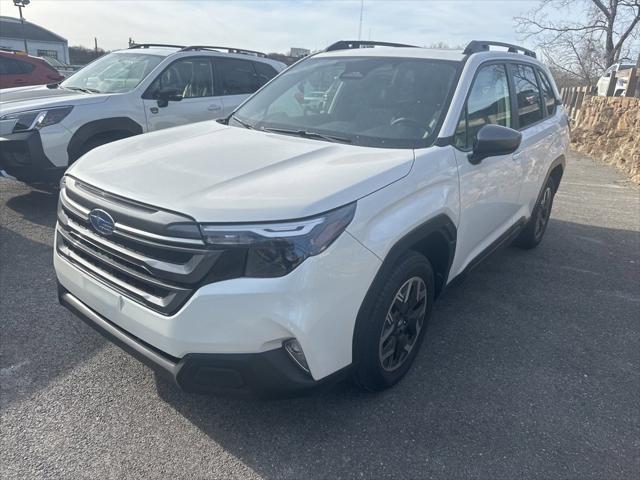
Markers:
533,232
391,327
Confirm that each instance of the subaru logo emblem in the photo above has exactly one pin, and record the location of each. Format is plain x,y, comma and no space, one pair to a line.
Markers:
101,221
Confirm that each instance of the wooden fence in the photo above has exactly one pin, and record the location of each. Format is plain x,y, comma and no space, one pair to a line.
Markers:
573,97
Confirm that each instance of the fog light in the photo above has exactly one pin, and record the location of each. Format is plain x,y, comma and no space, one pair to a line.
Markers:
294,350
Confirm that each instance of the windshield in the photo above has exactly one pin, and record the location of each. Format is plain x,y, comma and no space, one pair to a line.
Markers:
370,101
113,73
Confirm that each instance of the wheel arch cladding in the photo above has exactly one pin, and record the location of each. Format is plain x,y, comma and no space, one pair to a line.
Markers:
556,172
435,239
121,126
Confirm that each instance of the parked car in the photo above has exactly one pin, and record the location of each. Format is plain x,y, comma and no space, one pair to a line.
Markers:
18,69
62,68
144,88
621,72
284,247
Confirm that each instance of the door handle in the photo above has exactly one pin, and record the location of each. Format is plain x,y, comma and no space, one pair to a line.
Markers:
214,107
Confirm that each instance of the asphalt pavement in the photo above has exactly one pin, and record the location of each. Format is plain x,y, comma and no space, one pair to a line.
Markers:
530,370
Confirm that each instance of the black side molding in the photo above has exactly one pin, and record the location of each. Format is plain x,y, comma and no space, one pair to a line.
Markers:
105,125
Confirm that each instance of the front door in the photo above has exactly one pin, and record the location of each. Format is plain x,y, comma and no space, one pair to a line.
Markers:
489,191
188,84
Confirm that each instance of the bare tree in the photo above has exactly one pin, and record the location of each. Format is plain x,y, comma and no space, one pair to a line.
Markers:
581,38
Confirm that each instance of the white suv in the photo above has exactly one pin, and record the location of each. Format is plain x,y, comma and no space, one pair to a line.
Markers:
301,240
621,71
45,128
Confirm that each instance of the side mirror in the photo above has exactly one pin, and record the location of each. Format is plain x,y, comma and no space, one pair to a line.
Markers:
494,140
166,95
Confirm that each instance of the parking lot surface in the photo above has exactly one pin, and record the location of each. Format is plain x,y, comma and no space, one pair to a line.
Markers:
530,369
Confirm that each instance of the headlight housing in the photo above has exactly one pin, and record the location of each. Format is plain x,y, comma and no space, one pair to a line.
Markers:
275,249
37,119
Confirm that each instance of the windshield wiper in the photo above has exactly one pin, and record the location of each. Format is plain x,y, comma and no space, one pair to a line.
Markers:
309,134
242,122
85,90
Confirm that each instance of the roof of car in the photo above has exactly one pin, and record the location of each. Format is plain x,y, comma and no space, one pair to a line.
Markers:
410,52
166,50
476,49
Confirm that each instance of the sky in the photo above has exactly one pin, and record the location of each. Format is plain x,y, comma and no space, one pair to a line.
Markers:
273,26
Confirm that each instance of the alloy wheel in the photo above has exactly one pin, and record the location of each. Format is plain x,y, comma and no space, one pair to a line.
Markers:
544,211
403,323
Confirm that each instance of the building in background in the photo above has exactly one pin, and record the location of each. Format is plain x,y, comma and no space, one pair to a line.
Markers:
299,52
40,41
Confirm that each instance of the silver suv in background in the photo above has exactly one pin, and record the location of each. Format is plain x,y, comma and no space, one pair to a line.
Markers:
147,87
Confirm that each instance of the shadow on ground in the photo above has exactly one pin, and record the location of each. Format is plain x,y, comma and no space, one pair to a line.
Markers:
531,360
36,206
39,339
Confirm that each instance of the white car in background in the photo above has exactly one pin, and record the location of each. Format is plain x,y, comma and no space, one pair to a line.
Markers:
621,71
44,129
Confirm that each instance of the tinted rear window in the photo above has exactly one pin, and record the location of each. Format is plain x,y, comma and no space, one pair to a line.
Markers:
265,72
527,94
10,66
238,76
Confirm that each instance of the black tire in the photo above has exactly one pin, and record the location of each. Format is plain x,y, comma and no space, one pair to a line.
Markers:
372,373
534,230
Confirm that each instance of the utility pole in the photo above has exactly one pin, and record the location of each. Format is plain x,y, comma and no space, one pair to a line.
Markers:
360,28
20,4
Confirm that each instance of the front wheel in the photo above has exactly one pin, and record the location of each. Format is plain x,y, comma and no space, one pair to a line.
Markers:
533,232
392,323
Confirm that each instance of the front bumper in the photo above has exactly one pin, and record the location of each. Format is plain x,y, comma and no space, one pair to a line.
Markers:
22,156
247,319
267,374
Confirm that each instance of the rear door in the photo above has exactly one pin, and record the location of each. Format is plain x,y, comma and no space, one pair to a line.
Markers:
237,79
191,79
489,190
539,122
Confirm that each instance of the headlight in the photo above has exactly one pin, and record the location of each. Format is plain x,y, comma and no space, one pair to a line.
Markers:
275,249
37,119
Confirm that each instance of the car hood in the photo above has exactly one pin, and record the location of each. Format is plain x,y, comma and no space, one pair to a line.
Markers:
216,173
21,99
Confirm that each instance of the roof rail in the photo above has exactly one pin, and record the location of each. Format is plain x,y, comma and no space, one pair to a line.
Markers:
351,44
242,51
147,45
476,46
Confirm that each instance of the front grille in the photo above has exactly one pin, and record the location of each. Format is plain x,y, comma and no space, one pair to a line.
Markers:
143,259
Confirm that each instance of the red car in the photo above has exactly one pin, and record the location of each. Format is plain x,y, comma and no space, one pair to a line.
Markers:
19,70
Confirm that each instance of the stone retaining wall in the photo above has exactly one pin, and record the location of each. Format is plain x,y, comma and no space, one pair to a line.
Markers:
608,129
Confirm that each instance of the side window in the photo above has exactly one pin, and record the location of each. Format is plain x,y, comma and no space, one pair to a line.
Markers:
25,67
189,77
265,72
527,94
237,76
547,94
9,66
488,103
